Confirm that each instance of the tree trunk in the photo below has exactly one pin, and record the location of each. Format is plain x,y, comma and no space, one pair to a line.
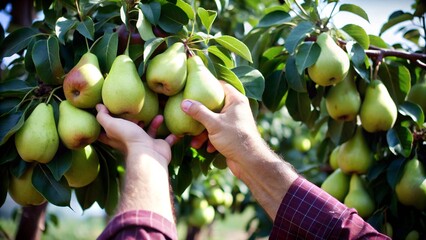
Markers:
32,223
194,233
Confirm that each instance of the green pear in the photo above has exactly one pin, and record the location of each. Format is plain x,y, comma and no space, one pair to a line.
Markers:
413,235
83,84
166,72
411,188
354,156
417,95
123,91
149,110
201,216
77,128
343,100
358,197
337,184
333,158
23,192
84,167
177,121
38,140
203,86
378,110
332,64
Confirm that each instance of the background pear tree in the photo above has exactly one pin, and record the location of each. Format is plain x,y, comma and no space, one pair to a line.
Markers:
344,107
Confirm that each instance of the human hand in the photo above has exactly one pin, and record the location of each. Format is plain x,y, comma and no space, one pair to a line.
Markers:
127,136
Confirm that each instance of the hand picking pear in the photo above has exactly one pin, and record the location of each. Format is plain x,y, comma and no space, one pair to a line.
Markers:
203,86
354,156
332,64
150,108
177,121
166,72
343,101
38,140
378,110
83,84
84,167
411,188
359,198
23,192
123,91
337,184
76,127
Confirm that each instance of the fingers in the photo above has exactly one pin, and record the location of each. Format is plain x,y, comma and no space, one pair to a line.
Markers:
199,112
199,140
172,139
155,125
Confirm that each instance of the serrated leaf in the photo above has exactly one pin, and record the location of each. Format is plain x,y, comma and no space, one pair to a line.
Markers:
352,8
144,27
86,28
307,54
297,35
62,27
274,18
227,75
358,34
234,45
207,17
106,50
394,20
294,79
413,111
47,61
56,192
17,41
252,80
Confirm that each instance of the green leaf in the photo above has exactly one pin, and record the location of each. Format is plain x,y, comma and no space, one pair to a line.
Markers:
106,50
307,54
86,28
298,105
274,18
275,90
252,80
394,19
400,141
223,55
227,75
352,8
17,41
144,27
377,41
183,178
186,8
56,192
234,45
150,47
47,61
172,18
297,35
397,80
10,124
207,17
89,194
9,152
151,11
413,35
340,131
294,79
60,163
359,60
4,184
394,171
63,26
358,34
412,110
14,87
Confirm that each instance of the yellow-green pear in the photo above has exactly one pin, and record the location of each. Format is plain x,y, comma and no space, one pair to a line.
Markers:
38,140
123,91
378,110
83,84
332,64
417,95
201,216
413,235
77,128
358,197
203,86
150,108
166,72
354,155
411,188
22,190
84,167
333,158
177,121
343,100
337,184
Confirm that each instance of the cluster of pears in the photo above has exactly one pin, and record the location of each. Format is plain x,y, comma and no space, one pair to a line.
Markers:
350,161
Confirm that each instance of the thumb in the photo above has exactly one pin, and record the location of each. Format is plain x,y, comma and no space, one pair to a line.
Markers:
199,112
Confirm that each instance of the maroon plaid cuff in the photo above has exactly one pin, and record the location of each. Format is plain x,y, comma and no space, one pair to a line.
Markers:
139,224
307,212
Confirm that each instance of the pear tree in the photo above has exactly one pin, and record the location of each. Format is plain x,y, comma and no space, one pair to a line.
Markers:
358,101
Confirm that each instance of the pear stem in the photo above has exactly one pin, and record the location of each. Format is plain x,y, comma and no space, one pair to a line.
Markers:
52,93
126,51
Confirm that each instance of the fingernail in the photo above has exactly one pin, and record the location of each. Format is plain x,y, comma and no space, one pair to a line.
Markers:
98,107
186,104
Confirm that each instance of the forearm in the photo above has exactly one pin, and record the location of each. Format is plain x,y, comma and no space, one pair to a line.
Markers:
147,185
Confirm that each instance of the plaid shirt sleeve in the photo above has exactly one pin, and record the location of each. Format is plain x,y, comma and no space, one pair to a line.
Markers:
307,212
139,224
